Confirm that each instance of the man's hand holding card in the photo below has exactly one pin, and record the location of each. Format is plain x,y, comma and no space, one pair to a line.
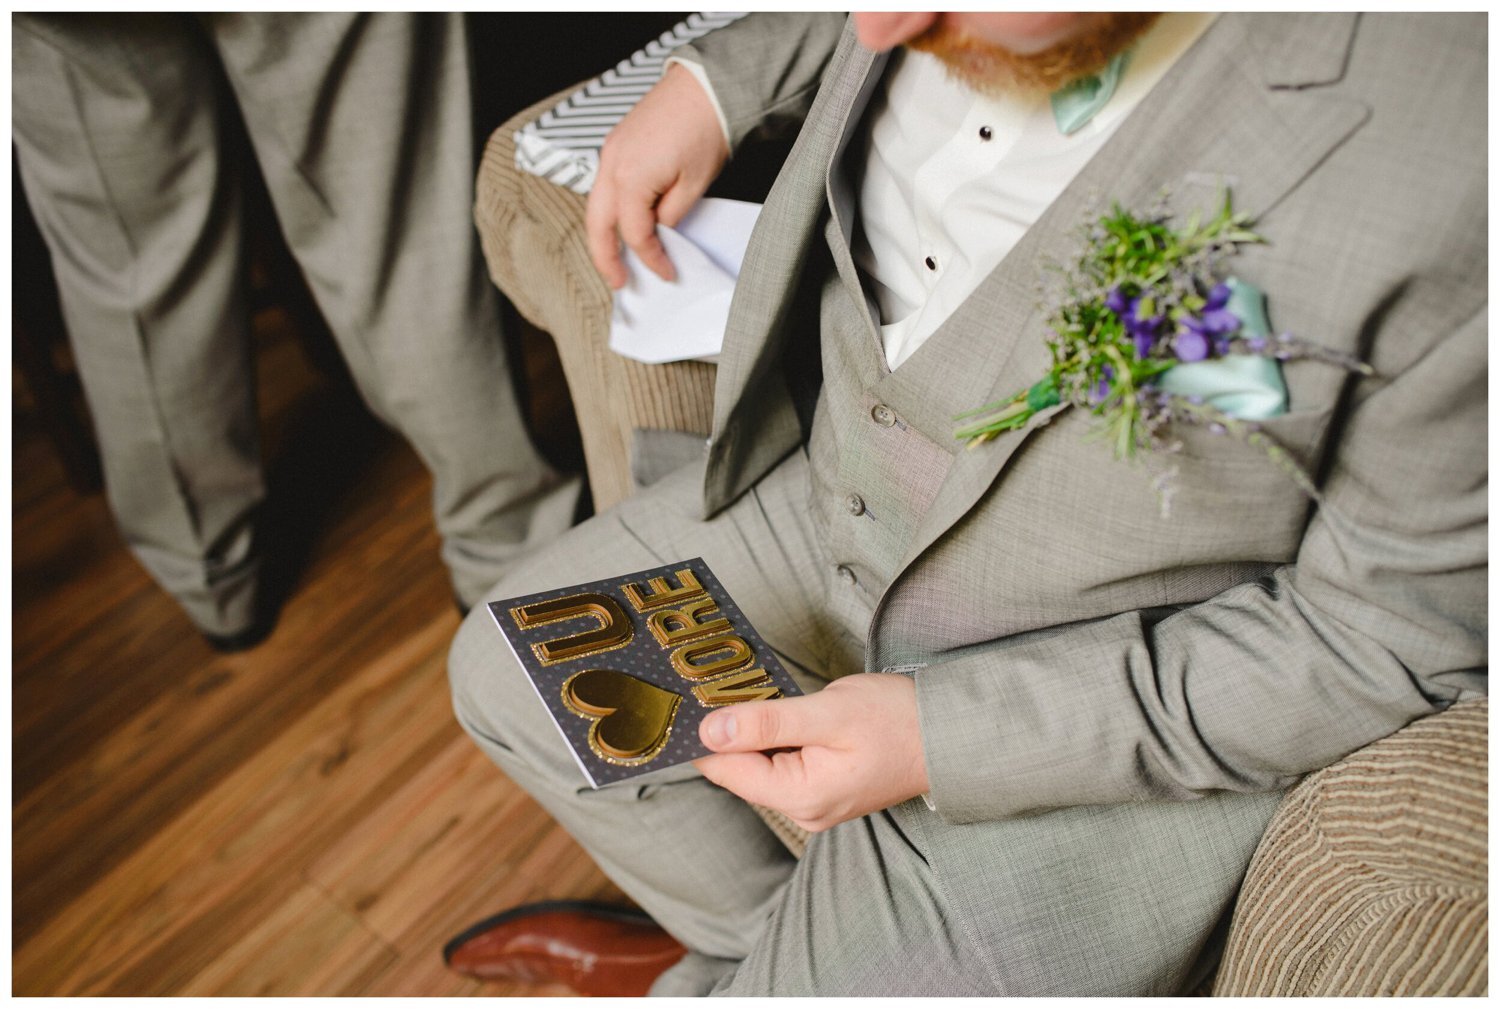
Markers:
852,748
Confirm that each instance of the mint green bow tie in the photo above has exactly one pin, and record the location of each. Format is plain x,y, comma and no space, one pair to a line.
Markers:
1075,104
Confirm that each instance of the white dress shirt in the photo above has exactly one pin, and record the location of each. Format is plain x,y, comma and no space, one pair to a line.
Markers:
942,206
954,178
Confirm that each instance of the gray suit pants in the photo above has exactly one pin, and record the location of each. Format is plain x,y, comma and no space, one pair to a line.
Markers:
361,127
1091,900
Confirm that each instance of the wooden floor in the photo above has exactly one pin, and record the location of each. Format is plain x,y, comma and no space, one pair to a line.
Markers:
305,818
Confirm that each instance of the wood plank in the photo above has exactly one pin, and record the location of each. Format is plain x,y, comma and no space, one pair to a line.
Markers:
126,777
187,893
304,818
307,946
423,854
457,844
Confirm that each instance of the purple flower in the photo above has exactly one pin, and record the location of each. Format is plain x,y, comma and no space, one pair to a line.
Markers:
1142,330
1145,339
1216,319
1101,390
1190,345
1209,331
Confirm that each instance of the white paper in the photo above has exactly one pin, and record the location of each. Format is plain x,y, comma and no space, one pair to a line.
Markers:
655,321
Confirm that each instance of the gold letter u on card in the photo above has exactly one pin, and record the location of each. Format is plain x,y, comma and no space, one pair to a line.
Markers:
614,628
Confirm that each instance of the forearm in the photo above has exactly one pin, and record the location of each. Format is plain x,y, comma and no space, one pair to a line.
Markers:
1246,693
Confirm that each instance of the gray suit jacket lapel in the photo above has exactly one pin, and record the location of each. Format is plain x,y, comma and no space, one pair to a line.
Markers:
755,423
1234,110
841,196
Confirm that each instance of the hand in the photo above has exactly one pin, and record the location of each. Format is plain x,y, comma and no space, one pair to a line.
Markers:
654,166
855,748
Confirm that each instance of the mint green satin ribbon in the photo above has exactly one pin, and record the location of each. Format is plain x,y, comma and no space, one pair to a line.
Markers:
1242,385
1075,104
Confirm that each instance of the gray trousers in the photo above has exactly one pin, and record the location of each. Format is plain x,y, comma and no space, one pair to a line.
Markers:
361,127
1091,900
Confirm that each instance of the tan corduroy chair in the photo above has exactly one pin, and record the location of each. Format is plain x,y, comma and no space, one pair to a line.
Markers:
1372,877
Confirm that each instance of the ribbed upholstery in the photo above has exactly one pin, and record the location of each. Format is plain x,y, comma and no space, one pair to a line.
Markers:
533,239
793,836
1372,877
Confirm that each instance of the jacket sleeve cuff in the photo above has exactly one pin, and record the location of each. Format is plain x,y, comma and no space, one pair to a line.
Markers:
701,76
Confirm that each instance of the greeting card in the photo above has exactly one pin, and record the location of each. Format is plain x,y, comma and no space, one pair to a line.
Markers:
628,666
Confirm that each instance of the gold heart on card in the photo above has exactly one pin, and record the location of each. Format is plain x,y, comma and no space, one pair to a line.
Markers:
633,718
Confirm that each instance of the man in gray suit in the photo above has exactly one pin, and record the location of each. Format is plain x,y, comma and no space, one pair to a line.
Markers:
362,128
1055,722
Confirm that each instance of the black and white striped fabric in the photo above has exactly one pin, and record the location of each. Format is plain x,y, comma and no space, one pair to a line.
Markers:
563,145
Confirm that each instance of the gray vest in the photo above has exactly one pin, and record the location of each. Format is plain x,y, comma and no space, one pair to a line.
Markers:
882,441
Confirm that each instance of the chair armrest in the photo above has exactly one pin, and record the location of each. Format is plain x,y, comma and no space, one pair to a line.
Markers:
1372,878
534,244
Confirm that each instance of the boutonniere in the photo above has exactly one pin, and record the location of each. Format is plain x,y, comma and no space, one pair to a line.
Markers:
1151,333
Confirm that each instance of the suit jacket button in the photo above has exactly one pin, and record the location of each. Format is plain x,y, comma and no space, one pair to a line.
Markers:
883,415
846,574
855,504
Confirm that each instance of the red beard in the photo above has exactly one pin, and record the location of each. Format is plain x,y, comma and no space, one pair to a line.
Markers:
991,69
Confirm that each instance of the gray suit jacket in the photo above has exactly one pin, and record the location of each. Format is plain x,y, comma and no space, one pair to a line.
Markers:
1080,648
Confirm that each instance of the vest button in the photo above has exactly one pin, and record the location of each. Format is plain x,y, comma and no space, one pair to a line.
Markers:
855,504
846,574
883,415
930,263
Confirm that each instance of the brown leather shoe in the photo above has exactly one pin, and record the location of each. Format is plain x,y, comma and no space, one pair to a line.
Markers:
595,949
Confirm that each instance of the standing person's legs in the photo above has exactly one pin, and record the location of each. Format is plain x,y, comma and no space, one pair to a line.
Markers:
362,126
695,857
115,120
